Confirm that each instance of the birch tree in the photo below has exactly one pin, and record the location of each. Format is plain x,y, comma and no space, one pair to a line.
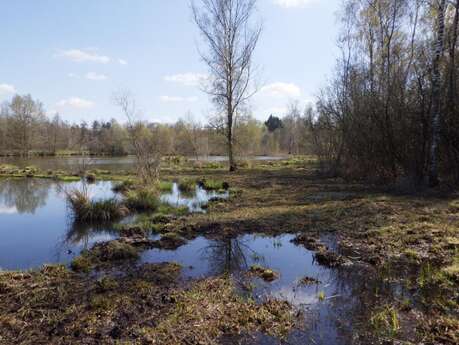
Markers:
230,37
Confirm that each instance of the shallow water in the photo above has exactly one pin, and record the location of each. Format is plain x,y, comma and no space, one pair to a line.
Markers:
75,163
347,290
36,226
195,202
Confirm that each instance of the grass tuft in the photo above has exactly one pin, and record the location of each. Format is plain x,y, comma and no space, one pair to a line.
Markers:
87,210
142,200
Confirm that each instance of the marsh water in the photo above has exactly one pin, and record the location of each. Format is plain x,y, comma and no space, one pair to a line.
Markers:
35,228
126,163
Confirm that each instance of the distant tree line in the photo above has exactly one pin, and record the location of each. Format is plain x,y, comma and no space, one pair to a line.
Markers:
391,112
26,130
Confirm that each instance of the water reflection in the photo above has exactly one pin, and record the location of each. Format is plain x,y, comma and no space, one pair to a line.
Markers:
18,197
35,227
349,291
195,202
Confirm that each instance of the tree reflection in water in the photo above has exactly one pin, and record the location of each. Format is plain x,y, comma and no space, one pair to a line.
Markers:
24,195
228,255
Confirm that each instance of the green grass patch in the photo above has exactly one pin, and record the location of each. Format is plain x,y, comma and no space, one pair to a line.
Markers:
142,200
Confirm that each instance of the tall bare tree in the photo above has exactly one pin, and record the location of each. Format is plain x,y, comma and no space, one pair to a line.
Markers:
436,96
231,37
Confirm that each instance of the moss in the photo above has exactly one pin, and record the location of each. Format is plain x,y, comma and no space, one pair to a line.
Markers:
264,273
210,184
170,241
328,258
81,264
114,251
165,186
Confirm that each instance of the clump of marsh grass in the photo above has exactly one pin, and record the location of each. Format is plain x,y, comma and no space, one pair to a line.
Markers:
123,186
142,200
187,185
214,185
86,210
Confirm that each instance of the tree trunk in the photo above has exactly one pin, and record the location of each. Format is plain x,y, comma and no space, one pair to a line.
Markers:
436,84
232,163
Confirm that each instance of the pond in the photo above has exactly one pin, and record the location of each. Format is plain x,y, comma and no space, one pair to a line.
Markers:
126,163
36,226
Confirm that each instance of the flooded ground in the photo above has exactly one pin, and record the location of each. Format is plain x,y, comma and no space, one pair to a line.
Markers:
126,163
36,226
332,303
195,201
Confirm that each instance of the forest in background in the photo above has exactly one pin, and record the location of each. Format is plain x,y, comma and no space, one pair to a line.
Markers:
26,130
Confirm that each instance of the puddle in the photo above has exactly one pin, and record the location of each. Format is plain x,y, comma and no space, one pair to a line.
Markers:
195,202
346,290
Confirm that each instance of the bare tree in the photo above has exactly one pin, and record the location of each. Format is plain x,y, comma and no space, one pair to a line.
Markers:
146,150
231,38
436,96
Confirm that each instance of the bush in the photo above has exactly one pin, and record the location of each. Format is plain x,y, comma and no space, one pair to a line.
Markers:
187,185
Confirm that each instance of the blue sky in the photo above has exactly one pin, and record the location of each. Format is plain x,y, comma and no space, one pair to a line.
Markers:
73,55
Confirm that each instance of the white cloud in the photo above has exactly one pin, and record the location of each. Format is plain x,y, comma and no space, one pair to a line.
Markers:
78,55
174,99
73,76
122,62
95,76
276,111
294,3
187,79
281,90
6,89
75,102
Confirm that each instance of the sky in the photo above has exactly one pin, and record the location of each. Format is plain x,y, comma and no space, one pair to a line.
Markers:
73,55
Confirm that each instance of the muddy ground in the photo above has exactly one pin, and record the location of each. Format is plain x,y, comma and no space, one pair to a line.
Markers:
414,234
